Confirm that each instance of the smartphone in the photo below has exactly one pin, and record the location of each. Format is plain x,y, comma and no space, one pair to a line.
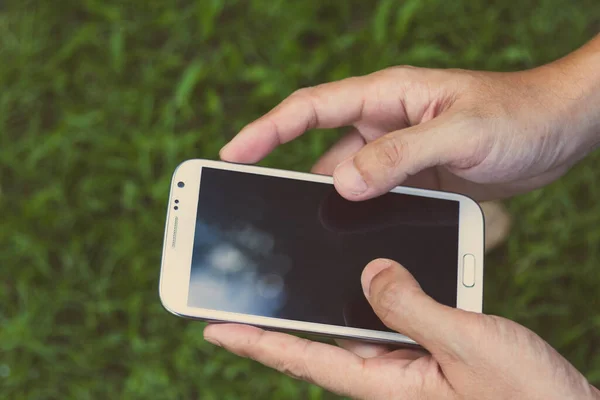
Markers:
284,251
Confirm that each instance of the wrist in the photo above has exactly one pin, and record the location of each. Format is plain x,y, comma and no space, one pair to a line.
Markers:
575,83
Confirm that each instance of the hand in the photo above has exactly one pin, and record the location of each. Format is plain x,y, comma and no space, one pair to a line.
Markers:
471,356
487,135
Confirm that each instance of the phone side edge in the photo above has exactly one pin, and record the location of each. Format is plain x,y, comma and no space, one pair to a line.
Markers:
471,243
179,236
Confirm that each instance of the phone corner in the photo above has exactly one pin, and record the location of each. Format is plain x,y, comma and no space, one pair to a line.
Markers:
473,208
183,164
166,302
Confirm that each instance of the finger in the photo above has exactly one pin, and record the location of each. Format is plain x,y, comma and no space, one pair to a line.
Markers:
404,354
401,304
364,350
389,161
330,105
371,350
348,145
330,367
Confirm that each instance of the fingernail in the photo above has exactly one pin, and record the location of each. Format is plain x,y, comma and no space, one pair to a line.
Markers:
224,148
373,269
349,178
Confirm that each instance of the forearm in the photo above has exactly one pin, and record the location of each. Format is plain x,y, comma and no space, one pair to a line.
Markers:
582,67
576,79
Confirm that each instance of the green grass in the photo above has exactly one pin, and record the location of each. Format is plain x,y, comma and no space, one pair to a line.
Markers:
101,99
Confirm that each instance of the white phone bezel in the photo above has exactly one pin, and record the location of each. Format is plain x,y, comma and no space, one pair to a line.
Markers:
179,240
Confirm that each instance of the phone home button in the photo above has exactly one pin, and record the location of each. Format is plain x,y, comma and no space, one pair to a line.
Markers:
468,270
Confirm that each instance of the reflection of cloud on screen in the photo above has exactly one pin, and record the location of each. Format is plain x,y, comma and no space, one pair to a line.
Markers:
253,239
270,286
242,294
236,271
227,258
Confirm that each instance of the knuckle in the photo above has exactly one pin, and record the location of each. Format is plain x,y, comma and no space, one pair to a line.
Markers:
479,331
388,299
287,367
392,296
252,347
400,69
311,96
310,93
408,75
296,368
302,91
389,152
476,326
509,330
365,168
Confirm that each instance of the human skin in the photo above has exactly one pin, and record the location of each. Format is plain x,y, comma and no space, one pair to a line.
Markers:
487,135
469,355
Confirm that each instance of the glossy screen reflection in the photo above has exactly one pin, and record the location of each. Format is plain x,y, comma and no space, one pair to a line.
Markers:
292,249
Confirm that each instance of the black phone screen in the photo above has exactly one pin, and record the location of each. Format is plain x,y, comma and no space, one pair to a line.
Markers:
284,248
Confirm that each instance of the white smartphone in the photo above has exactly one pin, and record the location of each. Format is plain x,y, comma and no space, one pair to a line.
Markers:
284,251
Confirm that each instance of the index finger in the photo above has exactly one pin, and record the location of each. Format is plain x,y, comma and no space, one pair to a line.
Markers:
329,105
330,367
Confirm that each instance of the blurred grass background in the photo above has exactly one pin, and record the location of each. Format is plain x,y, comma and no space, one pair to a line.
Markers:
101,99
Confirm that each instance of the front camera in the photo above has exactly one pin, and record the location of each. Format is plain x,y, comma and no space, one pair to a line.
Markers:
180,184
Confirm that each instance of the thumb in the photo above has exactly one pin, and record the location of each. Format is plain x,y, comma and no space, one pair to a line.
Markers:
388,161
401,304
